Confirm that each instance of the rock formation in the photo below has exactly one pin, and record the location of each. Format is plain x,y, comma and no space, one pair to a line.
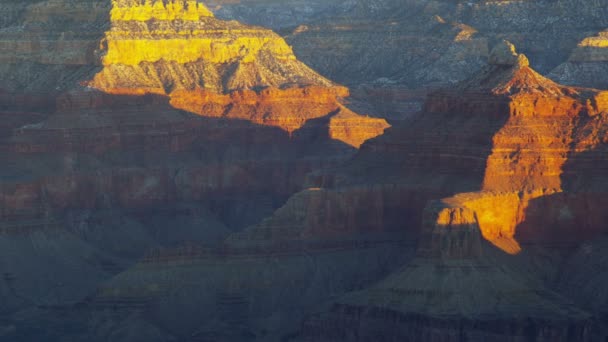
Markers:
216,68
209,186
134,126
509,152
587,63
455,289
505,137
403,48
159,47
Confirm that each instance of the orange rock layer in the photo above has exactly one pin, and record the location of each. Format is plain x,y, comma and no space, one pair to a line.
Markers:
522,153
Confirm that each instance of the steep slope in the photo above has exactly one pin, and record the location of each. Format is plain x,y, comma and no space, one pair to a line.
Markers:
393,49
507,132
148,50
514,149
131,126
501,145
457,288
587,64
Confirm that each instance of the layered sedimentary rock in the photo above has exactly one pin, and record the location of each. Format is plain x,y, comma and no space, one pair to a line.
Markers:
134,48
131,126
216,68
518,159
457,288
395,48
159,47
507,133
531,25
587,64
510,151
48,46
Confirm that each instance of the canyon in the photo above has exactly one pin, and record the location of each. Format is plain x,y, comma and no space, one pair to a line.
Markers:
118,141
172,174
391,53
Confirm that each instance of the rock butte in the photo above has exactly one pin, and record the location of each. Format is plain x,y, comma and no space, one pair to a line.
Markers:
455,289
518,161
500,142
218,69
132,128
105,176
586,63
526,144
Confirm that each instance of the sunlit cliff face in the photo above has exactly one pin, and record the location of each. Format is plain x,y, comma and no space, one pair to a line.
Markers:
544,128
218,68
189,10
160,46
182,32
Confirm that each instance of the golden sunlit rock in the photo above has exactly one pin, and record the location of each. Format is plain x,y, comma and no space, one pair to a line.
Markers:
216,69
161,46
144,10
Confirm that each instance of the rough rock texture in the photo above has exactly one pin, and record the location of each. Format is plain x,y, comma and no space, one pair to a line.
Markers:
170,153
131,126
160,47
217,68
508,133
456,289
511,151
404,47
587,64
519,160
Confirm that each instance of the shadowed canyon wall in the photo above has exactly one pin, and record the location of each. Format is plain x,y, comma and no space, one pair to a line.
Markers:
132,126
206,185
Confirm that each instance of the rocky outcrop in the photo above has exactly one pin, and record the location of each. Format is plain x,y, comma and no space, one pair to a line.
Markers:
505,138
586,63
411,46
165,48
218,68
501,147
455,289
131,127
146,49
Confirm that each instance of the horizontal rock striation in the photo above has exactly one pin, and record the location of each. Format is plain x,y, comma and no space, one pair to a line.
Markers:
218,68
131,126
162,46
587,61
509,150
453,290
417,44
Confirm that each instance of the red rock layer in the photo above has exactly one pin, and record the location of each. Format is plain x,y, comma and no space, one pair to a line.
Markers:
509,140
457,288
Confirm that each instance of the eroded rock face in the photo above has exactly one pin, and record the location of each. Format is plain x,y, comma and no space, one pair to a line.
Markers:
404,47
154,46
586,63
217,68
163,127
455,289
505,148
508,133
